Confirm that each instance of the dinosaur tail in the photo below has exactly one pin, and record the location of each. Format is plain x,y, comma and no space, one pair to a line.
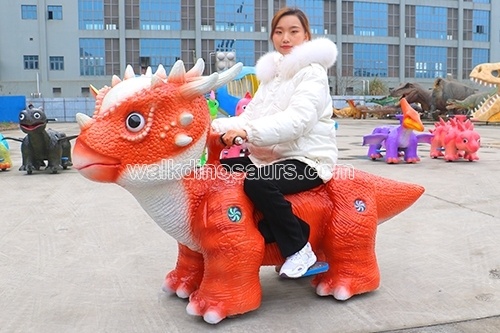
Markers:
390,197
394,196
15,139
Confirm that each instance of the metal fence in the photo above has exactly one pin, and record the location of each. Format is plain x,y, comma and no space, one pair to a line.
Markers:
64,109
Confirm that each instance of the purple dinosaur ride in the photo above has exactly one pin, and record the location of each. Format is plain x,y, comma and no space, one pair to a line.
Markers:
398,139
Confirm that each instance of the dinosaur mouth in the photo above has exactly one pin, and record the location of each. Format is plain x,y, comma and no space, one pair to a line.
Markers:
95,166
31,127
484,109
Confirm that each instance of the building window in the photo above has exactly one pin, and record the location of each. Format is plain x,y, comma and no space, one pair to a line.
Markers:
430,62
370,19
481,24
480,56
92,56
30,62
370,60
160,14
314,11
85,91
56,63
90,14
56,90
28,12
234,15
160,51
431,22
54,12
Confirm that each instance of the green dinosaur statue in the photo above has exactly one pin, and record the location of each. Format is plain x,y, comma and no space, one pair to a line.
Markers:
387,100
471,102
40,144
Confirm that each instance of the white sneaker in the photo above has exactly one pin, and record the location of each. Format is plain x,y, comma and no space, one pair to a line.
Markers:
297,264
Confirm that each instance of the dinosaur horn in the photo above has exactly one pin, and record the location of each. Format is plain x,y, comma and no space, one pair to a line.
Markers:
197,69
115,80
94,91
149,72
83,120
160,72
129,73
228,75
177,73
199,87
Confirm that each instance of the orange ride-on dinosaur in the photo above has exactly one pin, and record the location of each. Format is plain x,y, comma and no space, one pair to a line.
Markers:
147,134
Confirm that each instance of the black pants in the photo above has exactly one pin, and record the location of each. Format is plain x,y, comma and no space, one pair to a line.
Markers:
266,187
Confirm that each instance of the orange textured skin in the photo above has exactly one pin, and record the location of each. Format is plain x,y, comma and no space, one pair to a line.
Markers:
220,253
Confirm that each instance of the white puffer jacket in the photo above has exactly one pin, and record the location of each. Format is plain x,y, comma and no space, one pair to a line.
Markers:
290,115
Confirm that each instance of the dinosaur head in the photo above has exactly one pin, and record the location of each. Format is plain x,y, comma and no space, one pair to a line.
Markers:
32,120
466,138
411,118
487,74
147,128
242,104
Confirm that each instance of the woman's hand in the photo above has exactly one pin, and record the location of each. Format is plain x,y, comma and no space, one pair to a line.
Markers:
230,135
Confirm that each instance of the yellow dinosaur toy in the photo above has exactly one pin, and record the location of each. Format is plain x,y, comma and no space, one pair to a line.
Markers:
351,111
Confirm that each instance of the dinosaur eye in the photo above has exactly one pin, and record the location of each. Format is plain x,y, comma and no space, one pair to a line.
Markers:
135,122
465,140
22,116
37,115
244,107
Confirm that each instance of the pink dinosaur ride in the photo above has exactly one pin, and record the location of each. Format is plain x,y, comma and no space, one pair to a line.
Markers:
147,133
457,138
238,150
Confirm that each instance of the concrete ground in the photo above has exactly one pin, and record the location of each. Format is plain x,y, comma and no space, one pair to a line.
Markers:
79,256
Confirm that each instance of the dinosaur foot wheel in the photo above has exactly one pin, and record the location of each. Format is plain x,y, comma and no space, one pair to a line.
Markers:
412,160
181,285
212,312
343,289
214,308
182,290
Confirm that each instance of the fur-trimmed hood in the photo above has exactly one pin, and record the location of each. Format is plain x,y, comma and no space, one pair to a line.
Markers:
320,50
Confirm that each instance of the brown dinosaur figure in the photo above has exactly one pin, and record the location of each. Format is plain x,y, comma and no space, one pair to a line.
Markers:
488,74
147,135
414,93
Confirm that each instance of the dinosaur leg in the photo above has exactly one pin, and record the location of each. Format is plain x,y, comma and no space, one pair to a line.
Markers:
27,153
349,241
66,154
392,153
187,275
410,154
233,250
436,149
54,159
374,151
471,156
450,151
